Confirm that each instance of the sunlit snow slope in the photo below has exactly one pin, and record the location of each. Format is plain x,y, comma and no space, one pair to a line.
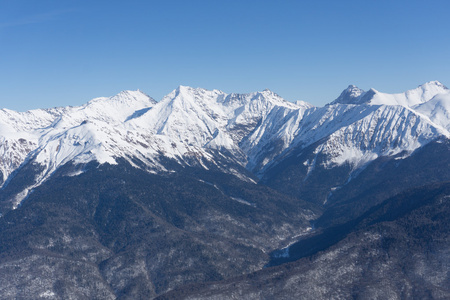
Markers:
193,126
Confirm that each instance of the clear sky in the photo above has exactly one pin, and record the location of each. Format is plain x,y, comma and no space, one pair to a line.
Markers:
62,52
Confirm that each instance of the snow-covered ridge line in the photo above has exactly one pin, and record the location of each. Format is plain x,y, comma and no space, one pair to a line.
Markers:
189,125
410,98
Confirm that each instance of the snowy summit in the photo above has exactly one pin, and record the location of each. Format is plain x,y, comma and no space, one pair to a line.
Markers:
192,125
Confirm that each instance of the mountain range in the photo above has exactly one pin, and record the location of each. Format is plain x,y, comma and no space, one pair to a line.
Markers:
126,197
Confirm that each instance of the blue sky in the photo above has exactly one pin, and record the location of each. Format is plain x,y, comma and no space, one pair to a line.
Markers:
58,53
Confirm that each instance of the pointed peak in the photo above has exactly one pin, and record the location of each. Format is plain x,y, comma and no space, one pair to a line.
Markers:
130,95
196,92
124,92
353,90
265,93
186,93
433,84
183,88
351,95
180,91
127,97
268,92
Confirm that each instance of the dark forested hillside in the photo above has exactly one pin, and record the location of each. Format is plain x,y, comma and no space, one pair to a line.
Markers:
398,250
119,231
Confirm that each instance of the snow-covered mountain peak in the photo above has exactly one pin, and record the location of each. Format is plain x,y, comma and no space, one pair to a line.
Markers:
132,96
115,109
269,93
353,91
183,89
187,93
351,95
124,98
434,84
410,98
251,129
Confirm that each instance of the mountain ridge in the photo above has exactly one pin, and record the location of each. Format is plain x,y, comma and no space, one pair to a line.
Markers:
254,129
125,197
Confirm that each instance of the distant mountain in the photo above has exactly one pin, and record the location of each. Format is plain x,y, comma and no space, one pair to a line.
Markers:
186,126
126,197
353,156
252,129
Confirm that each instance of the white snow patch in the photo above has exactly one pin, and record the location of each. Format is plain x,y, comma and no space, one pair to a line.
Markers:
47,294
242,201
